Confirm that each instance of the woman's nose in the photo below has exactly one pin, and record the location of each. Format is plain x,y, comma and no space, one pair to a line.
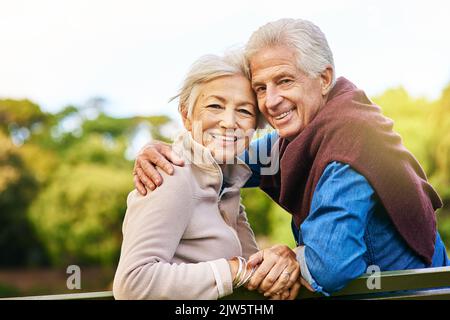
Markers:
228,120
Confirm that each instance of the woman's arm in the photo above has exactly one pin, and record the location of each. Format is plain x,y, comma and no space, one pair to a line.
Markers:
245,234
152,230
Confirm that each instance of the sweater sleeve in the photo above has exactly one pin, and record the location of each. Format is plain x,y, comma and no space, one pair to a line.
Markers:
245,234
153,227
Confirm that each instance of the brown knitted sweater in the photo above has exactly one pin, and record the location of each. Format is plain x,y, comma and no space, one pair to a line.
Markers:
350,129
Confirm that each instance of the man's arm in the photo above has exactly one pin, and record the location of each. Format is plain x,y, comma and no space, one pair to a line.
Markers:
258,155
160,154
152,155
331,239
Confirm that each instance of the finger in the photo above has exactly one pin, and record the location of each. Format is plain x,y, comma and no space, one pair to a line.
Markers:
275,281
147,182
285,281
285,294
306,284
172,156
159,160
260,273
255,259
151,172
293,292
139,186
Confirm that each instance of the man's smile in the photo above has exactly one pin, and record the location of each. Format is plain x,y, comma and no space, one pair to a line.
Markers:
284,114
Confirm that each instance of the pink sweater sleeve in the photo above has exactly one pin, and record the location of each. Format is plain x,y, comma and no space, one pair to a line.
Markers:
152,229
245,234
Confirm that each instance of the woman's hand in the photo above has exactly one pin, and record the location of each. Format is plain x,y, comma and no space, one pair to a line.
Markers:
234,266
278,270
152,155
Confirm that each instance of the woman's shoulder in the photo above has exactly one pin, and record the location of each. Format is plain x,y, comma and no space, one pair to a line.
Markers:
177,186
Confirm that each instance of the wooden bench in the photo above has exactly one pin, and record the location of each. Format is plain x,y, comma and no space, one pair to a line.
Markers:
430,283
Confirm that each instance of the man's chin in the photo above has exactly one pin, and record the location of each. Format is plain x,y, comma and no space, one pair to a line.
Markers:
288,133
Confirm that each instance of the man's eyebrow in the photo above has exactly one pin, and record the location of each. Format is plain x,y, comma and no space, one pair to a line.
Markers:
256,83
283,74
276,77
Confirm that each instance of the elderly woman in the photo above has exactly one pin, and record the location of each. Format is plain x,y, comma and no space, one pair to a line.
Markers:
189,238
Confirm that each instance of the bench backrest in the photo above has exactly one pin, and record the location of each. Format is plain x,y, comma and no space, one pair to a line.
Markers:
430,283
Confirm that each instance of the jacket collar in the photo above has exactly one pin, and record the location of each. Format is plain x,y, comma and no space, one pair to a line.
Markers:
210,173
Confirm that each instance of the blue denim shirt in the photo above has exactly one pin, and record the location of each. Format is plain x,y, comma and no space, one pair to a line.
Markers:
348,230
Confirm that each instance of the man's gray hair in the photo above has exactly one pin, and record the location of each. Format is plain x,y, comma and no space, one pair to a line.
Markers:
309,42
207,68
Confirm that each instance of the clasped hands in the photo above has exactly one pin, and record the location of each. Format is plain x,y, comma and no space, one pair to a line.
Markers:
276,275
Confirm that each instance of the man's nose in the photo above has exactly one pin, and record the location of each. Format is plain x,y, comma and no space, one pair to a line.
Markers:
273,98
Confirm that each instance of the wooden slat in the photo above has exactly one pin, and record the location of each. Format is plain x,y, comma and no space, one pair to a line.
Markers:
70,296
391,281
392,285
401,280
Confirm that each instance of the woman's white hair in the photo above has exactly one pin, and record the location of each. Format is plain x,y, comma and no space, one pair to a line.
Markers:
207,68
309,42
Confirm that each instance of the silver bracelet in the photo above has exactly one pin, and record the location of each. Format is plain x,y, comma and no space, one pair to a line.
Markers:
238,274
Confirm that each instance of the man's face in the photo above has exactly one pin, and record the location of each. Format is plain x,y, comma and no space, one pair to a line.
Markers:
287,97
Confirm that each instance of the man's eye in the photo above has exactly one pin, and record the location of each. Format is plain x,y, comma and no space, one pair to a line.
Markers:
285,81
260,89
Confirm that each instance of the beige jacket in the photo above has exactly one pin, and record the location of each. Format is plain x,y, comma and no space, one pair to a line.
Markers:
177,239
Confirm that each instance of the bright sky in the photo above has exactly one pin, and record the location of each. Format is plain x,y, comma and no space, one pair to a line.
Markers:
135,53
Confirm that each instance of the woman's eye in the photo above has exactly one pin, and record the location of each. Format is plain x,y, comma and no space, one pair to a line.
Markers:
245,111
214,106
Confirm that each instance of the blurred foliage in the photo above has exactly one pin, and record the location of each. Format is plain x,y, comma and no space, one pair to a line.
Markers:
64,177
78,215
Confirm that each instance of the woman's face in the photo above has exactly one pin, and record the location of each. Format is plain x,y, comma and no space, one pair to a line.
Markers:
224,116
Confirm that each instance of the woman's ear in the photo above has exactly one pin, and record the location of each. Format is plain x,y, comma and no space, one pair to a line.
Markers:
186,121
326,78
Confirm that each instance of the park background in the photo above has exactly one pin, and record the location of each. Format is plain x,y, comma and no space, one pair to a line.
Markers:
84,84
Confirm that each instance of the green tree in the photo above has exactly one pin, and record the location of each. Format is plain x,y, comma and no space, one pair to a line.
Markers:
79,214
18,242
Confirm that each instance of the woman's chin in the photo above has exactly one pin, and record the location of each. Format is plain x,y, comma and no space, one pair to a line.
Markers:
224,157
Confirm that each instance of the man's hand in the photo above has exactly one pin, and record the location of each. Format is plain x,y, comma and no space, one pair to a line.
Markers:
278,270
291,294
155,154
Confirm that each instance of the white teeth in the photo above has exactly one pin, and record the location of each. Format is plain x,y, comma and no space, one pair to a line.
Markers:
225,138
284,114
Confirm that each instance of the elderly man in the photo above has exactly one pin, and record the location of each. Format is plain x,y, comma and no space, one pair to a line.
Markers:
358,198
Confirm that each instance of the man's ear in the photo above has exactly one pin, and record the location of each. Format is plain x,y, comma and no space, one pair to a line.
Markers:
326,78
186,121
